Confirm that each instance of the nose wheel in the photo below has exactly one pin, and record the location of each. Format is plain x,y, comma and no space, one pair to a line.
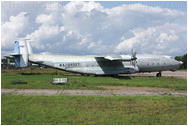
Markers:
158,74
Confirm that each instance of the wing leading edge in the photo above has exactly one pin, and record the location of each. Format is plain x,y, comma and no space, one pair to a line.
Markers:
114,57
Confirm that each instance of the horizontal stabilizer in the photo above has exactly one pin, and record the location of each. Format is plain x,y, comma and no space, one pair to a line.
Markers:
15,54
9,57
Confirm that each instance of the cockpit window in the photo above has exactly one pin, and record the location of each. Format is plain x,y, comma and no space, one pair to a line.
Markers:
169,57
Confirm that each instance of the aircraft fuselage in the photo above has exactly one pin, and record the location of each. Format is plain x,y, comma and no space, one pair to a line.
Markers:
92,65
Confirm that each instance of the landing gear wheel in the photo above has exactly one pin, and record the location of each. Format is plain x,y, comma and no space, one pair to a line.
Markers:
158,75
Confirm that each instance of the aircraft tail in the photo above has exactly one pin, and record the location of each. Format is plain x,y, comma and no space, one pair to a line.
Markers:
22,49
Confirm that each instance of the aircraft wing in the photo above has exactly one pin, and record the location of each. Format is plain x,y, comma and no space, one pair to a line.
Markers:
111,57
114,57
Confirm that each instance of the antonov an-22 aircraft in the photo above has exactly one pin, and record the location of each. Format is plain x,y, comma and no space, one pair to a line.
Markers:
110,64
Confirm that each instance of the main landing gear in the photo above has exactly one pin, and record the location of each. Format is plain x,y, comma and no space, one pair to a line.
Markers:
158,74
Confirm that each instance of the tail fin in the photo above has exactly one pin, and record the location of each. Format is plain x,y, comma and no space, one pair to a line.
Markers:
22,49
30,51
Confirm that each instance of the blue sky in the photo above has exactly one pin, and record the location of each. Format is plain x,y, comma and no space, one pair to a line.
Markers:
82,28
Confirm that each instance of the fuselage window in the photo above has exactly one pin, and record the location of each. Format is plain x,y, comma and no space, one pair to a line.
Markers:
152,63
158,63
147,63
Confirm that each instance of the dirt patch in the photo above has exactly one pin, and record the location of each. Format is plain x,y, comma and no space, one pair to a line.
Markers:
134,88
123,91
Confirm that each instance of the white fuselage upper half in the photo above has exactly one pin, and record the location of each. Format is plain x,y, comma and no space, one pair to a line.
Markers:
109,64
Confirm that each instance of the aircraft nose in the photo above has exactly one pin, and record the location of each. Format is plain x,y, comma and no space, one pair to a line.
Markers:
180,63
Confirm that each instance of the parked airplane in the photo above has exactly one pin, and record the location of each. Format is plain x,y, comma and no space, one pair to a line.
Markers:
110,64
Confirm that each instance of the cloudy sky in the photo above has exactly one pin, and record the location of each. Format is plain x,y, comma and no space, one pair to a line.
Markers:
84,28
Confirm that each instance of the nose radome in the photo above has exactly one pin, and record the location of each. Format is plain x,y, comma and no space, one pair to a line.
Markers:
180,62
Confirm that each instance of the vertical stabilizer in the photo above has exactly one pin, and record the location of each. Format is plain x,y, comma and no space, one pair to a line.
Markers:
17,51
30,51
22,49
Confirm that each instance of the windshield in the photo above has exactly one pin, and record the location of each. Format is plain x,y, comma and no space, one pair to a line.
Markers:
170,57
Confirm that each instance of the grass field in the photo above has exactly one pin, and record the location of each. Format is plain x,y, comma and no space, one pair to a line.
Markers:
137,110
31,110
41,79
182,70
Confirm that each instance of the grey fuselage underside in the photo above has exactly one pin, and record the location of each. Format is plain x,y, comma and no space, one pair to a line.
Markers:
93,65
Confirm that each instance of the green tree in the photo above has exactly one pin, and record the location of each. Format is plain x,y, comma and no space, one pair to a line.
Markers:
4,61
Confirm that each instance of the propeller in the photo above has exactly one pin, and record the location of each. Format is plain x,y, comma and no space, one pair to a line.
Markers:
133,57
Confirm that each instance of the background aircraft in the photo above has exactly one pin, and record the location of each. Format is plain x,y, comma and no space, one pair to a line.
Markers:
110,64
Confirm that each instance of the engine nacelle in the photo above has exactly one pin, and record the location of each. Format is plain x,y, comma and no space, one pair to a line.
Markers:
126,57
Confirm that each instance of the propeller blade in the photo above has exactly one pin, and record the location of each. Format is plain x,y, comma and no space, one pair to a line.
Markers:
133,54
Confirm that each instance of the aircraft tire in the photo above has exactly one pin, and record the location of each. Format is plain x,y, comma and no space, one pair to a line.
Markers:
158,75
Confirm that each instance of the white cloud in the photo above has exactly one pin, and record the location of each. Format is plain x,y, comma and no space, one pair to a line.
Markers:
89,28
44,19
164,39
13,29
91,45
44,33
